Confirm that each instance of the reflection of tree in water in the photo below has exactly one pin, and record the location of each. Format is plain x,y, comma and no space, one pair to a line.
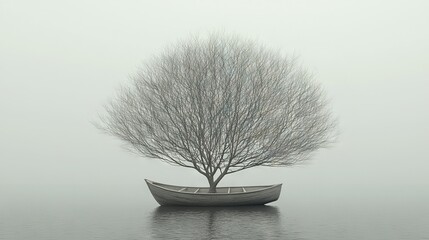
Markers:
253,222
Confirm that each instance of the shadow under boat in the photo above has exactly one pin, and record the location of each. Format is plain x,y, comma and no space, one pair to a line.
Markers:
247,222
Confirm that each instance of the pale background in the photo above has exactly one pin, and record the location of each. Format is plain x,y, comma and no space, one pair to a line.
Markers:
60,61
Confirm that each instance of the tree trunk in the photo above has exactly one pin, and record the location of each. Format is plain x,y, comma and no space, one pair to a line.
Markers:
212,188
212,185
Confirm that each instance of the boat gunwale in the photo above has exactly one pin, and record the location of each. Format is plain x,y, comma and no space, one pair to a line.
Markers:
192,193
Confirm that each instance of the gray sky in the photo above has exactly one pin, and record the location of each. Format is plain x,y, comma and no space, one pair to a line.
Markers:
60,61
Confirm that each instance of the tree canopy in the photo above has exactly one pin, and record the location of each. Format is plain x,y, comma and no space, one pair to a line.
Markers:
221,105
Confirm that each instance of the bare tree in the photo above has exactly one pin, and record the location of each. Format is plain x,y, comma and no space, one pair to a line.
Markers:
221,105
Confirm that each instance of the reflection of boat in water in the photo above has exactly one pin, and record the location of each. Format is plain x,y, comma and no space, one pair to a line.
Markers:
244,222
225,196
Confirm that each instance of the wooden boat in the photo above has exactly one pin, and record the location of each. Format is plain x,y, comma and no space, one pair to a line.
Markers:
225,196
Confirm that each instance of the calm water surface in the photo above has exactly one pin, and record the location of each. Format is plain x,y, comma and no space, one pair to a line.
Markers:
80,213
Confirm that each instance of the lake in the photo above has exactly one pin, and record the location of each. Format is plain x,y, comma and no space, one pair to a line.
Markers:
129,212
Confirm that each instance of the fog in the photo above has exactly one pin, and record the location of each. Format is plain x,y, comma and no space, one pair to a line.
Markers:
60,61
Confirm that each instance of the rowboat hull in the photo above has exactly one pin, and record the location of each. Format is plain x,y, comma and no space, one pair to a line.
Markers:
226,196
